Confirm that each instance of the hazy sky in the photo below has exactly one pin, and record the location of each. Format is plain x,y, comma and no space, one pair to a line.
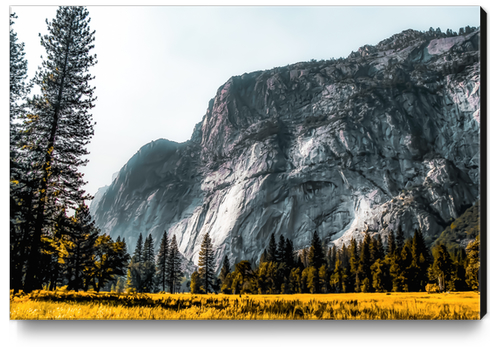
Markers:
158,67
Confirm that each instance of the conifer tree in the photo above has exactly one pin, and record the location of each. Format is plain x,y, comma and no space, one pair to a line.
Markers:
206,263
272,249
162,260
323,279
354,264
148,249
174,266
473,267
420,262
19,87
148,260
109,261
289,254
196,284
120,280
295,281
391,243
395,272
225,269
138,251
264,257
442,267
281,250
62,122
365,260
78,248
317,258
332,258
312,279
337,280
400,239
381,277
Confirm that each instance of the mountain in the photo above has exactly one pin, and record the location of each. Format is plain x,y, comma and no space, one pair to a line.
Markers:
462,231
387,136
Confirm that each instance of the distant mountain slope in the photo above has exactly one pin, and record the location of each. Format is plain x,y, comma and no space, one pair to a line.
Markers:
388,136
462,231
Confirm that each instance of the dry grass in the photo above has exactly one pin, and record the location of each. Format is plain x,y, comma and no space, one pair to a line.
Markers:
72,305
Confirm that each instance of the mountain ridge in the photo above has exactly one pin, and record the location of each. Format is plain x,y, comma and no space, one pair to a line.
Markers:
388,136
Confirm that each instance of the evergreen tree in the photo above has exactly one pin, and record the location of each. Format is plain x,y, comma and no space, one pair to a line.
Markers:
378,251
268,278
354,265
395,272
323,279
78,248
318,256
442,267
138,251
148,265
243,277
365,260
61,121
272,249
289,255
312,279
162,260
134,278
148,250
459,272
174,266
264,257
473,267
281,250
406,276
420,262
120,280
332,258
109,261
381,276
227,284
19,87
400,239
206,263
295,281
225,269
391,243
196,284
337,280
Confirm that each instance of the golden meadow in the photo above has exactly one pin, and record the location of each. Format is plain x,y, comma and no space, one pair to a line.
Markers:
61,305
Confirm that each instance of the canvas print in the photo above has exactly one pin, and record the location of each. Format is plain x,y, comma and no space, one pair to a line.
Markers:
246,163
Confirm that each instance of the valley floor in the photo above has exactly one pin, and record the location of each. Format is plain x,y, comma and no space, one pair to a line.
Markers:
61,305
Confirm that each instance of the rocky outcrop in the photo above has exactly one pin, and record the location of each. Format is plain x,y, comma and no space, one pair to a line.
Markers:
388,136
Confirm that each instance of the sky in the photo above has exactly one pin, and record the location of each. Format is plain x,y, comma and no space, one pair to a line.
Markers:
158,66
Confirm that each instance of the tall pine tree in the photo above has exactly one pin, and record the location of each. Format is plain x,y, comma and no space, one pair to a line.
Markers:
162,260
62,122
206,263
317,258
272,249
148,265
174,266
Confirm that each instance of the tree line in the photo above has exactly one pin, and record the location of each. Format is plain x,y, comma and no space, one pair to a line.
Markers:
148,273
404,265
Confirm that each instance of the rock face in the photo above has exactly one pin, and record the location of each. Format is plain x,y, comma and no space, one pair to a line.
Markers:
388,136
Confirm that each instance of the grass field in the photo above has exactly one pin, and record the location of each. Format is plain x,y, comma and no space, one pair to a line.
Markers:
71,305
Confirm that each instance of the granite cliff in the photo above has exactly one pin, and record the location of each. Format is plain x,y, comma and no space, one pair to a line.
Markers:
385,137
